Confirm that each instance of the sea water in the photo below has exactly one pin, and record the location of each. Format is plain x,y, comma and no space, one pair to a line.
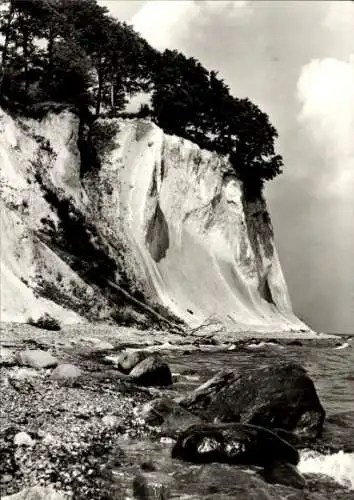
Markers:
332,371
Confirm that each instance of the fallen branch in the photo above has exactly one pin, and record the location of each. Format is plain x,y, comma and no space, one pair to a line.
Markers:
44,239
144,306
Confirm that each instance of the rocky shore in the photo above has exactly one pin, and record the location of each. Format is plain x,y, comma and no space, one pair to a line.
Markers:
77,422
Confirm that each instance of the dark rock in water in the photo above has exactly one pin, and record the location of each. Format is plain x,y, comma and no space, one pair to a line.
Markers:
169,415
46,322
129,359
290,437
284,473
295,342
152,371
36,358
233,443
226,482
150,488
277,395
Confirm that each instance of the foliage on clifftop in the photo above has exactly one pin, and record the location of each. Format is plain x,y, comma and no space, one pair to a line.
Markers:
72,52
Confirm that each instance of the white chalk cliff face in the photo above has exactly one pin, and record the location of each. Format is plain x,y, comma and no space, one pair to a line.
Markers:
168,214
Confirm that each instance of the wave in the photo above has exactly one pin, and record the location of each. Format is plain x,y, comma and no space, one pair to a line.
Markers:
339,466
260,345
342,346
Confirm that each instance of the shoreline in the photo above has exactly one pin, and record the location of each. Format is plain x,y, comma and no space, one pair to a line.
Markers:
130,336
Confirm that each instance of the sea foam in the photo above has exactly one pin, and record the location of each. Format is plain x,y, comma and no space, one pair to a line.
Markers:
339,466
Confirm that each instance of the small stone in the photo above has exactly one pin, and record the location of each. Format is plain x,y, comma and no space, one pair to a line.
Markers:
6,478
23,374
110,420
36,358
167,440
48,439
101,346
66,371
83,413
7,357
23,439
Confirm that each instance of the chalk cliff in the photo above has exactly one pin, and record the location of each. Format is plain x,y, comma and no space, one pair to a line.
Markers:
162,218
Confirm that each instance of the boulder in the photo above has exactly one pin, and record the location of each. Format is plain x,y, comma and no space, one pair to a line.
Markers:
234,444
168,415
284,473
277,395
127,360
66,371
36,358
37,493
152,371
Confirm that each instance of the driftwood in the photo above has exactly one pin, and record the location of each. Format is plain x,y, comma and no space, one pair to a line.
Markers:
208,323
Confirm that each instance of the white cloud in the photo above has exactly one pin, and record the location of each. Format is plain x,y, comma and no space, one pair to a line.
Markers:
157,21
164,22
326,91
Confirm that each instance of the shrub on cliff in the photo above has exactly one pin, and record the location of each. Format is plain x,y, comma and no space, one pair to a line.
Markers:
102,135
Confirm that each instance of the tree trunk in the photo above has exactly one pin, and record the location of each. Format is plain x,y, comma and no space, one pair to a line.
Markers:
99,92
144,306
6,49
51,37
112,97
25,42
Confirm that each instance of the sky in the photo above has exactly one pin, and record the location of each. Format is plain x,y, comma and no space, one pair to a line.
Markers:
295,60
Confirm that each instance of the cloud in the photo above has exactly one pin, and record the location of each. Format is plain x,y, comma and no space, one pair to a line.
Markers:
326,91
156,21
165,23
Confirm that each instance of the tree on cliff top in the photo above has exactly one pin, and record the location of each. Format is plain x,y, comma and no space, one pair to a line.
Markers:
74,52
191,102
